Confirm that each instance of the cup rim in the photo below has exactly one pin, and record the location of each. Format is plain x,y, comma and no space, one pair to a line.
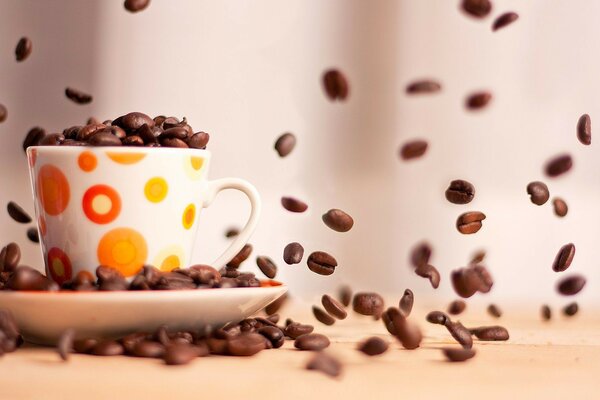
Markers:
120,149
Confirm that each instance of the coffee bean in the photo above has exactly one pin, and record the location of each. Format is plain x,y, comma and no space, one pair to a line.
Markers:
345,295
457,307
321,263
32,234
322,316
246,344
538,192
133,140
546,313
198,140
266,266
387,321
27,278
470,280
232,232
293,253
131,340
423,86
429,272
285,144
454,354
461,334
325,363
3,113
295,329
173,281
477,8
478,100
273,334
84,346
179,354
176,132
84,133
368,303
491,333
293,205
407,333
34,136
17,213
505,19
494,311
104,138
65,344
276,305
437,317
23,49
560,207
53,139
77,96
564,258
413,149
478,257
108,348
240,257
406,302
333,307
338,220
173,142
469,222
136,5
571,309
460,192
571,285
133,121
559,165
373,346
10,255
420,254
336,85
148,348
312,342
584,129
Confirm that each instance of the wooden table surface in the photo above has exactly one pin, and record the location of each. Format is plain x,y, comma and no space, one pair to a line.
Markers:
555,360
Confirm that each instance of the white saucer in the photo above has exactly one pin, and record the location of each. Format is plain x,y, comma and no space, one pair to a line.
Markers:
43,316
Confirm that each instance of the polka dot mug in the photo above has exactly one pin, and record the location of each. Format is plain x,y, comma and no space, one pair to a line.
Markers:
125,207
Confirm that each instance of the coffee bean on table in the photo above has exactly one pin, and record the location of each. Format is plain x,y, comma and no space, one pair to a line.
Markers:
295,329
504,20
407,333
460,192
406,302
333,307
490,333
336,85
571,309
423,86
34,136
65,344
454,354
84,346
321,263
78,96
285,144
32,234
413,149
456,307
293,205
23,49
571,285
148,348
420,254
180,354
461,334
477,8
437,317
546,313
27,278
564,258
494,311
478,100
10,255
584,129
246,344
469,222
322,316
345,295
241,256
325,363
368,303
338,220
3,113
293,253
311,341
373,346
17,213
559,165
266,266
429,272
560,207
538,192
273,334
108,348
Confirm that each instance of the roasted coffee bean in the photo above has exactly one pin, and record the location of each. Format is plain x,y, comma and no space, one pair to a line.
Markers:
65,344
413,149
274,335
71,142
490,333
584,129
423,86
176,132
470,280
173,142
338,220
108,348
3,113
276,305
477,8
32,234
136,5
312,342
538,192
546,313
454,354
27,278
266,266
10,255
285,144
429,272
53,139
387,321
84,346
179,354
336,85
148,348
34,136
368,303
17,213
406,302
133,140
407,333
170,122
321,263
469,222
460,192
232,232
325,363
104,138
559,165
23,49
560,207
494,311
456,307
345,295
505,19
84,133
461,334
295,329
437,317
322,316
217,346
174,281
131,340
373,346
564,258
133,121
571,309
198,140
333,307
293,205
274,318
571,285
113,285
203,274
241,256
420,254
293,253
78,96
246,344
72,132
478,100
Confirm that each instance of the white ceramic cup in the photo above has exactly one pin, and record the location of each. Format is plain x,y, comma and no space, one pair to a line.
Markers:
125,207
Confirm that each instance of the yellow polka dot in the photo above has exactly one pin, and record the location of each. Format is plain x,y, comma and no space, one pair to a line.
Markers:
58,267
170,257
197,162
125,158
188,216
170,263
156,189
123,249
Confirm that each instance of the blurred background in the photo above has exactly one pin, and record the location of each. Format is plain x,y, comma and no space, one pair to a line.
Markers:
248,71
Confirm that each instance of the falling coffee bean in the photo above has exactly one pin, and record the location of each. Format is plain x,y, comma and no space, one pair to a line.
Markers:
246,344
338,220
3,113
477,8
460,192
293,205
454,354
413,149
478,257
65,344
325,363
461,334
32,234
34,136
494,311
23,49
241,256
285,144
469,222
386,317
408,334
559,165
504,20
420,254
321,263
17,213
78,96
457,307
490,333
136,5
266,266
406,302
293,253
560,207
232,232
373,346
584,129
538,192
571,309
423,86
437,317
312,342
571,285
564,258
478,100
368,303
333,307
546,313
345,295
429,272
10,255
470,280
336,85
322,316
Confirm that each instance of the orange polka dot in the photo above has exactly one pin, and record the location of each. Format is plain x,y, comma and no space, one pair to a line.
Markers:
87,161
188,216
101,204
53,189
156,189
197,162
42,225
170,263
123,249
125,158
59,265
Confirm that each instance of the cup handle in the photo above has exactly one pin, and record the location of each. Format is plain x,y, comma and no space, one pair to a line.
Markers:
212,189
